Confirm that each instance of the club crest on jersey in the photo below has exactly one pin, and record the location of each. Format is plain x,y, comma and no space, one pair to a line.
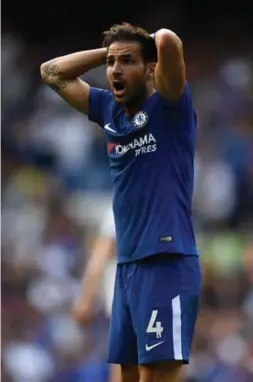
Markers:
140,119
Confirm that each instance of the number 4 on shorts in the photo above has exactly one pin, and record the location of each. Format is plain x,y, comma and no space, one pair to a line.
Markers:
155,326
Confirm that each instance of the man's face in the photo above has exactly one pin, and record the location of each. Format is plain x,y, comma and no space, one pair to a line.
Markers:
126,72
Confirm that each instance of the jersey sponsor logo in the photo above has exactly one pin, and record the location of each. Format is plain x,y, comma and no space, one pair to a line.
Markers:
140,119
110,147
141,145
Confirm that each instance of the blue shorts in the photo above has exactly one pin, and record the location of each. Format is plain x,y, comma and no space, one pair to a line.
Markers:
154,309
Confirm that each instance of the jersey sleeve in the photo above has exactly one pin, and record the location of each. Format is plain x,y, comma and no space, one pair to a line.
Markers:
185,98
98,103
107,228
183,105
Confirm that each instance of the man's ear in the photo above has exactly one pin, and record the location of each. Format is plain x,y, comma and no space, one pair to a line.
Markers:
151,68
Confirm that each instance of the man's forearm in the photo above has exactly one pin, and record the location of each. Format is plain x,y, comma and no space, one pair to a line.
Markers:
102,252
91,278
73,65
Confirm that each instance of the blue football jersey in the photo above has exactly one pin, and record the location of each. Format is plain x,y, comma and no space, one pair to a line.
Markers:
152,167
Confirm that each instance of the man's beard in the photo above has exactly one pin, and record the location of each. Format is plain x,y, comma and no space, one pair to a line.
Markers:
138,96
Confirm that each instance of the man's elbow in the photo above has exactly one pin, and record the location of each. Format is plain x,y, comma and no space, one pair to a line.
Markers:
49,72
43,67
167,39
44,71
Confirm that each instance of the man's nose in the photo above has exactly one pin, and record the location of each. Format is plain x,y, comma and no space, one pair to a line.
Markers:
117,68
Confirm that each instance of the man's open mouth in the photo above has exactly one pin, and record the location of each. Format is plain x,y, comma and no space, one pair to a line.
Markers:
118,88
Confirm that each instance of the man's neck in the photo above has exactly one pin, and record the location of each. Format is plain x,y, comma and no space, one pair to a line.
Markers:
131,110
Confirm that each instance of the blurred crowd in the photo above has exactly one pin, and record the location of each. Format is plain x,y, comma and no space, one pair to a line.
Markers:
55,189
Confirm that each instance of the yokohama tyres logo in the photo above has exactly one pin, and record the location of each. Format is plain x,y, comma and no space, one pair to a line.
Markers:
142,145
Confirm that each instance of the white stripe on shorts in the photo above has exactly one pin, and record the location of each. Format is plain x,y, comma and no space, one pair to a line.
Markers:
176,328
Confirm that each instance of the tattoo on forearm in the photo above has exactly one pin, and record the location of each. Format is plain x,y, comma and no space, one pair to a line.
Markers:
52,78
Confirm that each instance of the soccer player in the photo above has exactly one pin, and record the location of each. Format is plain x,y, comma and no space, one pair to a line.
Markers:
150,127
101,267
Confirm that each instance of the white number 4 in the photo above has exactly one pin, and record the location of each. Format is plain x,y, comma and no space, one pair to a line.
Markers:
155,326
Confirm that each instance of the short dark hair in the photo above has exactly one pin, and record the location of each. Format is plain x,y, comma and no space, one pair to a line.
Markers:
131,33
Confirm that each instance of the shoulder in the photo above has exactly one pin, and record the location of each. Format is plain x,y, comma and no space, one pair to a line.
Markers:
184,100
100,97
102,93
182,108
100,100
179,113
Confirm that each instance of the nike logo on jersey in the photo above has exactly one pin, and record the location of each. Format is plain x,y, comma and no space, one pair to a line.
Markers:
148,348
107,127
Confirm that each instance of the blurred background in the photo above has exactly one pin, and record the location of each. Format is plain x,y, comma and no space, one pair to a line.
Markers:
56,186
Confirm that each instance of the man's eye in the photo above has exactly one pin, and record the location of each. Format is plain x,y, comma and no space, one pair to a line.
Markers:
128,60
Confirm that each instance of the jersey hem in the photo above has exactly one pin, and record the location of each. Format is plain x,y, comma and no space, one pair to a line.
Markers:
143,256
